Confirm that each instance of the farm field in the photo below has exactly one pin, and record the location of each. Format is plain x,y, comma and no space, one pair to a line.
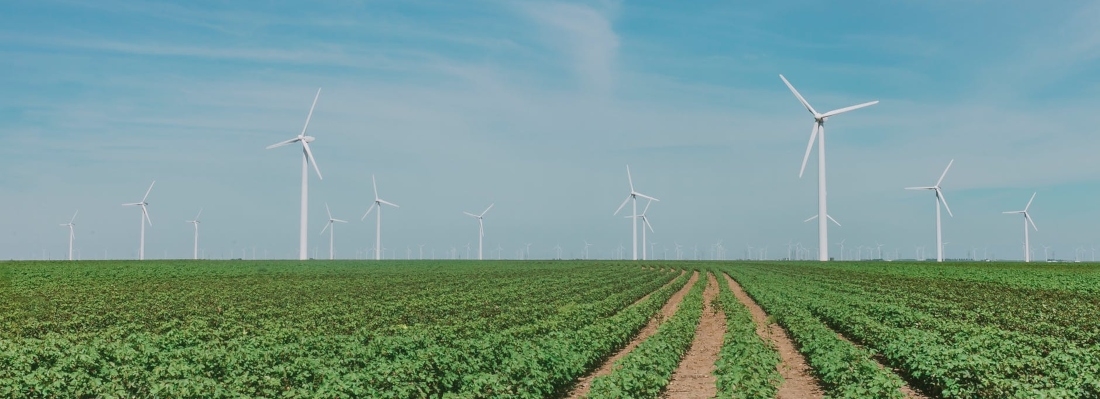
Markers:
536,329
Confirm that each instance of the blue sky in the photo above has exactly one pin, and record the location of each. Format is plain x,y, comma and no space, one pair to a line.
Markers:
538,107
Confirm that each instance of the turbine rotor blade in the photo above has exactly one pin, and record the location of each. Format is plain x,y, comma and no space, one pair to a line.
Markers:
809,147
310,116
147,191
145,214
338,220
834,221
920,188
811,218
799,96
74,217
374,184
469,214
372,205
941,198
200,214
326,227
647,197
309,156
1029,201
846,109
623,204
629,179
1027,216
389,203
646,221
487,209
647,204
944,173
282,143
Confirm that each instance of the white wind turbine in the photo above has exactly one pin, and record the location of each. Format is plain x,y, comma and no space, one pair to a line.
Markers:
144,218
332,232
307,159
196,223
633,198
378,202
481,229
645,224
818,133
71,234
1027,219
939,199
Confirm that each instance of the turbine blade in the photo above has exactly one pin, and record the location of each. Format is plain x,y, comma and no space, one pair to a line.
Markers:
1028,217
939,195
834,221
147,191
326,227
372,205
374,184
131,204
310,116
920,188
809,147
799,96
629,179
200,214
389,203
944,173
646,207
647,197
74,217
487,209
646,221
282,143
309,156
846,109
1012,212
327,211
621,206
338,220
469,214
145,214
811,218
1029,201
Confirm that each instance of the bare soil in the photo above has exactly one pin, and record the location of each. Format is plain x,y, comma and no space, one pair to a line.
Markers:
584,383
798,379
694,377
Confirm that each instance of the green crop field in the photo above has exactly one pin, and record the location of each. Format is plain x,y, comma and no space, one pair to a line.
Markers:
532,329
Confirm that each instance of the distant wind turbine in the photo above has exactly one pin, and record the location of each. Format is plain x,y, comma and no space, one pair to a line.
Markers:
481,229
72,235
818,133
144,218
633,198
332,233
378,202
196,223
1027,219
307,159
939,199
645,224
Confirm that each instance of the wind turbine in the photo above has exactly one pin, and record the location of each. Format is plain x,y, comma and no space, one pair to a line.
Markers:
1027,219
633,198
332,233
378,202
586,245
196,223
71,234
939,199
144,218
481,229
819,130
307,159
645,224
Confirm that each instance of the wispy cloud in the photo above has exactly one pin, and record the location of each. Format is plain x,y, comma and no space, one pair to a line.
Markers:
583,33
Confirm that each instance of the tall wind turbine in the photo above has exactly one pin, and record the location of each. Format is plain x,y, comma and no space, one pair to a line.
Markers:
481,228
71,234
378,202
331,232
818,133
1027,219
939,199
633,198
144,218
307,159
196,223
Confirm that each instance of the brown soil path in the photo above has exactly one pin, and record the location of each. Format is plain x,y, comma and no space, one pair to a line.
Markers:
798,379
694,377
584,383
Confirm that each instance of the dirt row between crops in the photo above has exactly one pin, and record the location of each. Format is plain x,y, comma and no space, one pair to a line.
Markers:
694,377
585,383
798,379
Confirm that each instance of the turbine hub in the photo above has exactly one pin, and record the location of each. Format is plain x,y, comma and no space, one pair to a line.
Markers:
308,139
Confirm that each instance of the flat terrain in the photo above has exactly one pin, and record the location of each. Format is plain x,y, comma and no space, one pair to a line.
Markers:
542,329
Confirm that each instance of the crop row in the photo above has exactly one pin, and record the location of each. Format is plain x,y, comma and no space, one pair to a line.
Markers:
647,370
746,366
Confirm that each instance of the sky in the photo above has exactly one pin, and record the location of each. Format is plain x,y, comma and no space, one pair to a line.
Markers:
537,107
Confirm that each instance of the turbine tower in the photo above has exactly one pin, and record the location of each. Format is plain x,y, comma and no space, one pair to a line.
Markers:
939,199
645,224
307,159
818,133
481,228
331,232
378,202
633,198
71,234
196,223
1027,219
144,218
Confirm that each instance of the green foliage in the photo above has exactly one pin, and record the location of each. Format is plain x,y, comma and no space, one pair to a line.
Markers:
746,366
646,370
